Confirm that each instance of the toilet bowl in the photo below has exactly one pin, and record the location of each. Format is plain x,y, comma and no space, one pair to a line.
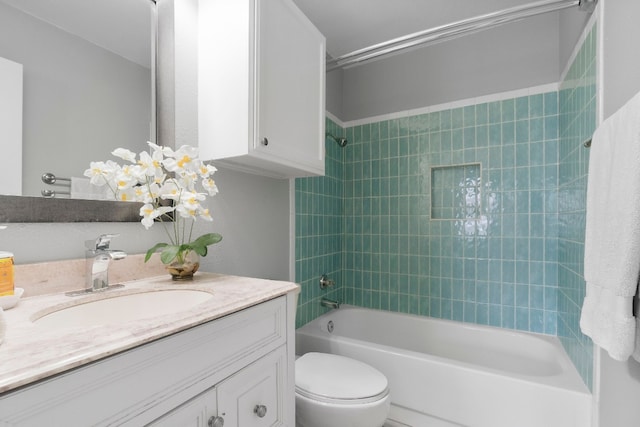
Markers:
334,390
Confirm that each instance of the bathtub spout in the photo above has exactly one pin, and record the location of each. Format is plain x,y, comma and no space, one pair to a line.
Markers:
329,303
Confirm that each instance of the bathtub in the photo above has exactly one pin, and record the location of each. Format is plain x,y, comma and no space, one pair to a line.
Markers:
444,373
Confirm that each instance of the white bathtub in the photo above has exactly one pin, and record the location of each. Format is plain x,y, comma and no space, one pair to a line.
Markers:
445,373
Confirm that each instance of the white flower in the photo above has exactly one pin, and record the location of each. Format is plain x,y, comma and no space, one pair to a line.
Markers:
191,199
170,190
125,177
205,171
125,154
148,213
101,172
187,179
96,173
210,185
159,178
166,151
185,212
183,158
126,195
158,175
205,214
148,193
151,164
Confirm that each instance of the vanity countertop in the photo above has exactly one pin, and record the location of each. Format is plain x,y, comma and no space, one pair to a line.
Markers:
30,352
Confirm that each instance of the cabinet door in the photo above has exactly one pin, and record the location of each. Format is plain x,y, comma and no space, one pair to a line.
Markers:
290,87
254,397
194,413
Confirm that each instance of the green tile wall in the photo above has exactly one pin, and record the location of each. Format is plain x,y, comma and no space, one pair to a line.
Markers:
318,238
512,259
456,192
577,123
499,268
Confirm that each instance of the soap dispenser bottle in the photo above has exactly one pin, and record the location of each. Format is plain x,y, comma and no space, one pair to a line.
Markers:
6,274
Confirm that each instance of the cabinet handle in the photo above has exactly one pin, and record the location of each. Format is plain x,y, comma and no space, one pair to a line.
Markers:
264,141
216,422
260,411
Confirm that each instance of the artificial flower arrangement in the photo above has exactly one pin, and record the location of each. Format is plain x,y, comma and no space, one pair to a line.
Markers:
165,181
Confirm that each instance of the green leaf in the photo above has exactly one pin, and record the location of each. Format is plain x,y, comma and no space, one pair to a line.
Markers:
200,250
169,253
153,250
200,244
207,239
185,248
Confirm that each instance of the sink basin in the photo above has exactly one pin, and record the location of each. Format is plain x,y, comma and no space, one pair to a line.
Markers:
123,308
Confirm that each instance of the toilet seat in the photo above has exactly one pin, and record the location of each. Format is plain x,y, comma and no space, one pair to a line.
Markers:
331,378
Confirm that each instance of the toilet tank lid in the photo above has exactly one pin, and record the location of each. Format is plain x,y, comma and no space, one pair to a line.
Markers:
338,377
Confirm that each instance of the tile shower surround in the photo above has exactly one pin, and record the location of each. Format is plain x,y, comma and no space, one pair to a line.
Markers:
511,258
495,265
318,241
577,102
499,268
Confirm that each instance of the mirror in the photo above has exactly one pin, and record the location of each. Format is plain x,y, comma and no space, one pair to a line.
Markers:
88,87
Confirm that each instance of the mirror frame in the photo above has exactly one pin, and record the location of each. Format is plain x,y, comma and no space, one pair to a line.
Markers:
21,209
31,209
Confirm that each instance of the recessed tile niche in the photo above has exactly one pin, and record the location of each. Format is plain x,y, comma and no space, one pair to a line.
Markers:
455,191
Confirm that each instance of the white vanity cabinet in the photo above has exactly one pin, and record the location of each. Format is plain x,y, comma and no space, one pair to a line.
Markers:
234,371
261,80
250,398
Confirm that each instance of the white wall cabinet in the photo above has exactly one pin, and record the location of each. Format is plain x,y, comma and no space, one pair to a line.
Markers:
237,369
261,80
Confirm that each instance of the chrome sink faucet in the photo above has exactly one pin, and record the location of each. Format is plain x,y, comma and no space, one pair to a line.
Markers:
98,257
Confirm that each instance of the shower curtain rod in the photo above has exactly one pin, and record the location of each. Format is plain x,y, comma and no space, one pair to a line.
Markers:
455,29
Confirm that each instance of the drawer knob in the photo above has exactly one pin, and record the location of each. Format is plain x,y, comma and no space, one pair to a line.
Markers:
260,410
264,141
216,422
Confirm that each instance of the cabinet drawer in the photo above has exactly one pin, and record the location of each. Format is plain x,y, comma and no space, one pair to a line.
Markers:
253,396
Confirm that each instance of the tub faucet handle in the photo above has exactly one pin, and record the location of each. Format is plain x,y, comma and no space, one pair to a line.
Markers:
325,282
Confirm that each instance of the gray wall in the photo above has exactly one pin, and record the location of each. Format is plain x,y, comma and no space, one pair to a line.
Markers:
572,22
619,381
251,212
80,100
334,88
467,67
621,74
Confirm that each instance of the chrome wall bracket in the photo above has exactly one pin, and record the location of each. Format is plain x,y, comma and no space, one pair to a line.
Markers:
588,5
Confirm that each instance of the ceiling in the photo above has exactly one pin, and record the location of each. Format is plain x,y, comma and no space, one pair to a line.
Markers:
121,26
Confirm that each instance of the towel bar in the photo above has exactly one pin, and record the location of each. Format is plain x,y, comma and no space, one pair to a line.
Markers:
49,194
51,179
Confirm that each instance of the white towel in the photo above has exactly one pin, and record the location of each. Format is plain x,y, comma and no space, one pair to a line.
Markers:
612,235
81,188
636,306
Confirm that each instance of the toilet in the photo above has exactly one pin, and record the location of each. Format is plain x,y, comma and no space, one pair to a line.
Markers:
333,390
